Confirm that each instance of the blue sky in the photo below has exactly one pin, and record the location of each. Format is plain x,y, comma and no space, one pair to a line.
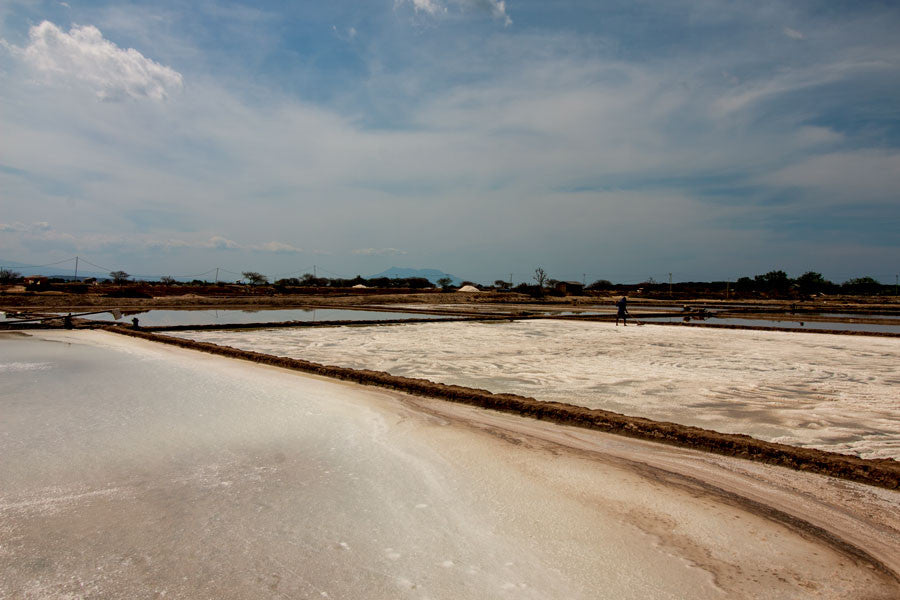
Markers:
615,140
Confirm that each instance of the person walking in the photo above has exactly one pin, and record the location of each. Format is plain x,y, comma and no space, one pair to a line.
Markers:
622,305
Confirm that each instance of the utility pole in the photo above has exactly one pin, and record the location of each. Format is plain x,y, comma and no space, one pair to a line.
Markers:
314,272
583,279
670,284
897,285
510,280
76,268
217,275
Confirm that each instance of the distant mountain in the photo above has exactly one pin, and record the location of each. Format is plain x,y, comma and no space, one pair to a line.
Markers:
65,271
431,275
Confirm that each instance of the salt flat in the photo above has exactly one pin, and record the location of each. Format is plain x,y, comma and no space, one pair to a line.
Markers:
831,392
133,470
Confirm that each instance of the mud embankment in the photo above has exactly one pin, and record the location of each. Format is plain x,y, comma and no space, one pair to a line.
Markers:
880,472
767,328
282,324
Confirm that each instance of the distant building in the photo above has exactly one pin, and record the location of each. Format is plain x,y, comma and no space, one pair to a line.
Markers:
36,281
570,288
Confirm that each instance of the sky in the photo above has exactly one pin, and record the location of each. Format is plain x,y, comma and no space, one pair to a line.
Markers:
599,139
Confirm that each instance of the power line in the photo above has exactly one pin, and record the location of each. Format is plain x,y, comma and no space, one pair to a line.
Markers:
331,273
59,262
303,270
96,265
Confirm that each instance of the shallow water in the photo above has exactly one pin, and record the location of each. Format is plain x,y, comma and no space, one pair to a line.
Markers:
153,318
832,392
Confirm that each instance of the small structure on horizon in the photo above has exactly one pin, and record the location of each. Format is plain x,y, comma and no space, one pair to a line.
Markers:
570,288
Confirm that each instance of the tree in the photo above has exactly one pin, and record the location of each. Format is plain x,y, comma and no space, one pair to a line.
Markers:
417,283
119,276
445,283
7,275
255,278
540,276
773,281
812,283
600,284
862,285
167,280
743,285
501,285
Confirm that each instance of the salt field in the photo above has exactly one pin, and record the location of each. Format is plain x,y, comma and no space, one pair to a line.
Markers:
831,392
162,317
138,470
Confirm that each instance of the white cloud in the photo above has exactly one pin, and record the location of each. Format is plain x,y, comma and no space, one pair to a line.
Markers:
378,252
220,243
84,56
432,7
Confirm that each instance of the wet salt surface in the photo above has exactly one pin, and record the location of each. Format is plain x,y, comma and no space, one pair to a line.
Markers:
135,470
153,318
836,393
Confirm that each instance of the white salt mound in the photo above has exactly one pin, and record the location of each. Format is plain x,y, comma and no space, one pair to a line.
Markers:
468,288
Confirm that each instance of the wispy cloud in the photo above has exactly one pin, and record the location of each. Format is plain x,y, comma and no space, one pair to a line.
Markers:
43,231
279,247
495,8
31,228
378,252
793,34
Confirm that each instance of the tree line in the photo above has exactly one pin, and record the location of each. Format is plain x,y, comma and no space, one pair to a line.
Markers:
772,284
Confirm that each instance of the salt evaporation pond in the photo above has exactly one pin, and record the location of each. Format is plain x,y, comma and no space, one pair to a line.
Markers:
832,392
165,318
136,470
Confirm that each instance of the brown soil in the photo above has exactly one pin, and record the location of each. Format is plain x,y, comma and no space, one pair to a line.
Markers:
879,472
